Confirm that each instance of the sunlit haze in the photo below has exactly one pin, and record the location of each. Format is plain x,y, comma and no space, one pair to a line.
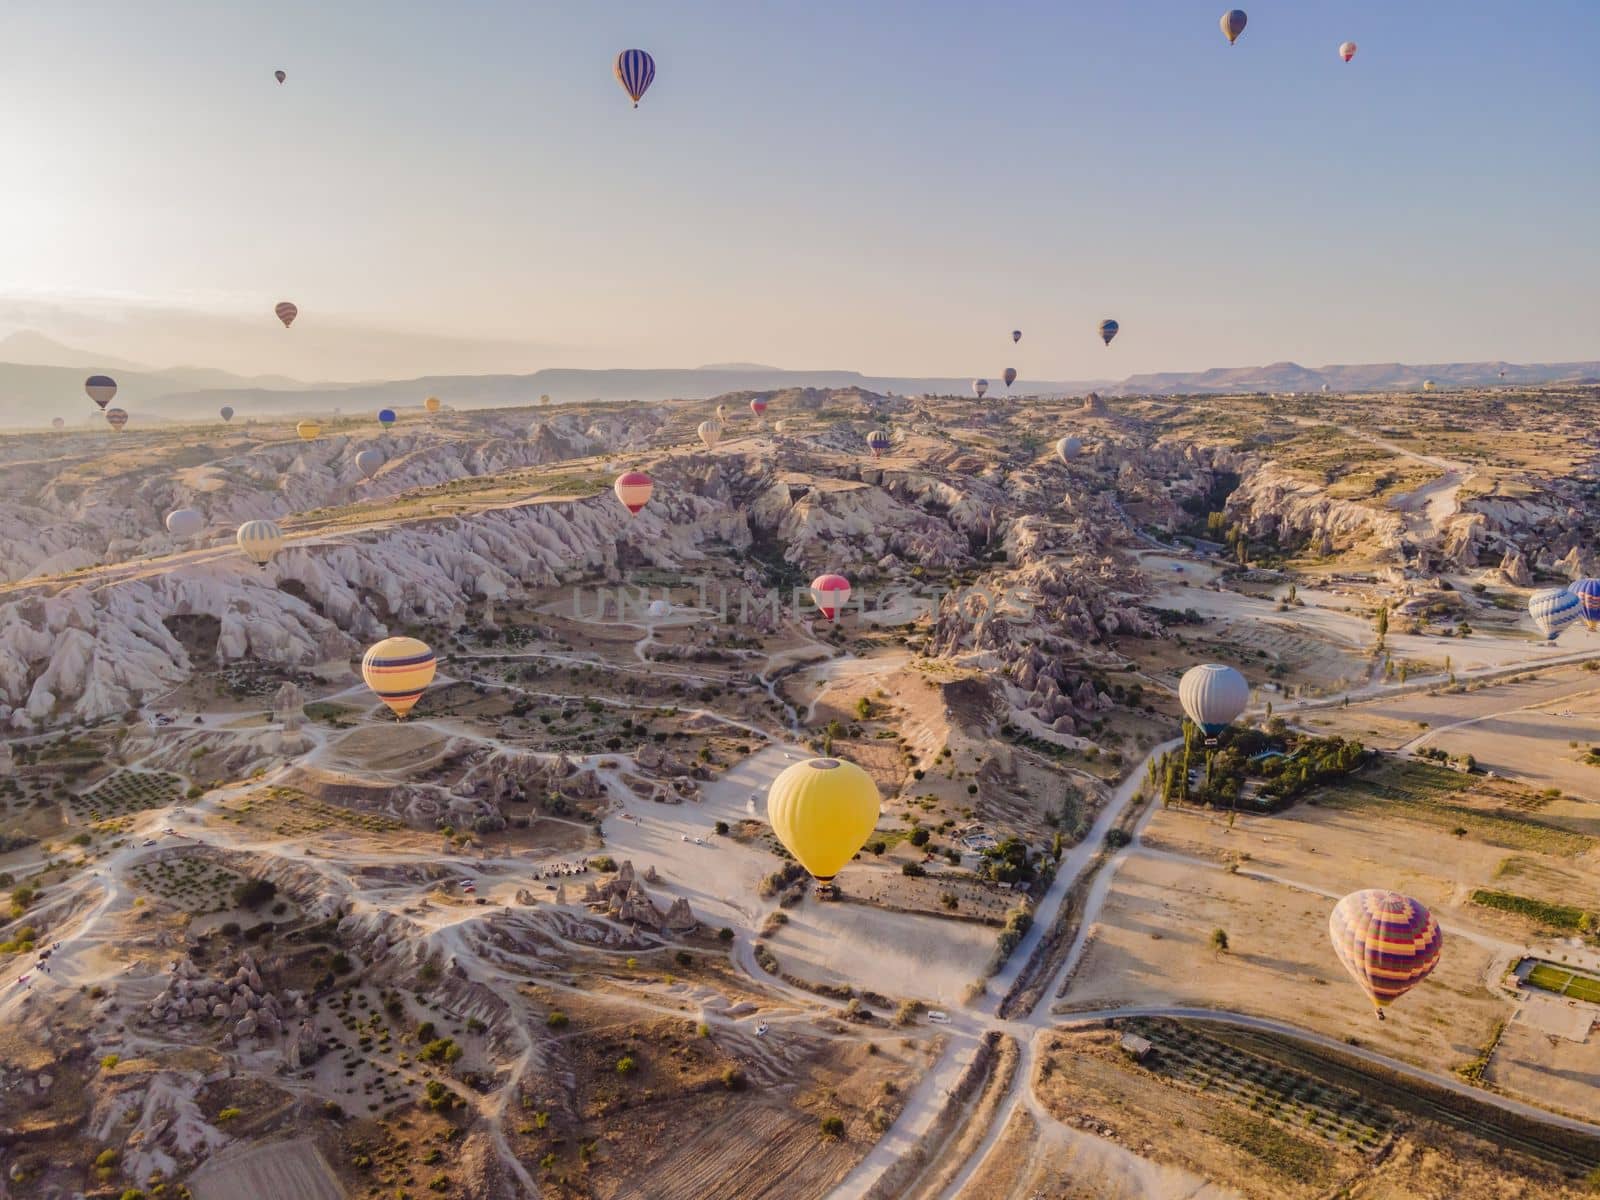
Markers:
887,187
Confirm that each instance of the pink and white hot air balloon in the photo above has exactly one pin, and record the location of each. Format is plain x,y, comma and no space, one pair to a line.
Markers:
634,488
1347,51
759,407
831,593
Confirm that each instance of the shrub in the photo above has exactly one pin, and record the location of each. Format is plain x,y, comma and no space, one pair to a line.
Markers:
253,893
228,1114
725,934
733,1079
912,869
110,1061
919,837
626,1065
722,828
832,1126
556,1019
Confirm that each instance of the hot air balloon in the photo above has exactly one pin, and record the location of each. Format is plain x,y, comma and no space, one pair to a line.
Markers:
185,522
369,462
758,406
1588,593
1108,330
633,488
722,412
1347,51
279,76
979,387
286,311
1010,377
433,404
1233,23
1068,448
831,593
1213,696
1552,610
823,810
57,423
635,71
544,399
308,430
116,418
399,670
1016,335
1427,385
386,417
1388,942
710,433
659,608
878,441
101,389
226,413
259,540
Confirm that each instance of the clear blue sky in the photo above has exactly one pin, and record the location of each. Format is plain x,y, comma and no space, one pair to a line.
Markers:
890,186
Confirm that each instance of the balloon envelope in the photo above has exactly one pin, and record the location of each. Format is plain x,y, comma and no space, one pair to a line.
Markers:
1068,448
101,388
1213,696
185,522
399,670
634,489
259,540
831,593
979,387
1588,593
369,462
226,412
1552,610
1347,51
116,418
1016,335
433,404
279,76
659,608
1010,376
823,810
758,406
635,71
307,430
286,311
386,417
57,423
1233,23
878,441
710,433
1108,330
1388,942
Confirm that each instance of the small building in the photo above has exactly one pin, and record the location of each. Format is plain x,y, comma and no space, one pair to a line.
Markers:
1137,1048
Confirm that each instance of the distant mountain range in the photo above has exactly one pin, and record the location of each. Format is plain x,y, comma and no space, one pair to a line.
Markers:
41,379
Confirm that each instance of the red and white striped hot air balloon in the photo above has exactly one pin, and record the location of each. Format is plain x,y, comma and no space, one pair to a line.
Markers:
831,593
633,488
758,406
287,312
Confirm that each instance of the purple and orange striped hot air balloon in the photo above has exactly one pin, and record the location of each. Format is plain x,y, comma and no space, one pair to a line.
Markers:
1388,942
399,670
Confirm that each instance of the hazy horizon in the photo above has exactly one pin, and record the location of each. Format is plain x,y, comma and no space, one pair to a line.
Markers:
890,191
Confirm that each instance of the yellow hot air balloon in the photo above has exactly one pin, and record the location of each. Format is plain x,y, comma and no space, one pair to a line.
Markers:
260,540
308,430
432,404
399,670
823,810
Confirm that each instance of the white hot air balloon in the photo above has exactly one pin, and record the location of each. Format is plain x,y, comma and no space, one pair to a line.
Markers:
659,609
259,540
185,522
369,462
710,433
1068,448
1213,696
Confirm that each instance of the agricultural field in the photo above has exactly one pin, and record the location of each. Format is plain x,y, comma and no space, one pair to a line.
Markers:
291,813
1575,985
125,793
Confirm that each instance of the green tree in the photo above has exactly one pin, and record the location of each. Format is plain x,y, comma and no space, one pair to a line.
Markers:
1382,624
1219,941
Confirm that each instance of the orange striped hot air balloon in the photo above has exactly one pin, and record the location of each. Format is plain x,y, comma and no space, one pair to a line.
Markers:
1388,942
116,418
634,488
399,670
286,311
433,404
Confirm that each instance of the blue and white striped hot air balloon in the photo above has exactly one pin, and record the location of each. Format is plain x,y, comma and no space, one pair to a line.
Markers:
1552,610
635,71
1588,593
